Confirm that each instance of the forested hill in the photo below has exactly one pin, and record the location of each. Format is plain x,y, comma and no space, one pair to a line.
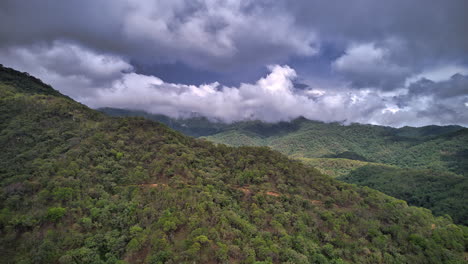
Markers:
196,126
429,147
77,186
433,159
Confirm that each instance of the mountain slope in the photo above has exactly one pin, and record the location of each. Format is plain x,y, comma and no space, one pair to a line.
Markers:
195,126
443,193
427,147
428,154
336,167
80,187
337,150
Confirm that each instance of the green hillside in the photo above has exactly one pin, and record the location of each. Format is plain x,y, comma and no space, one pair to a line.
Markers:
78,186
336,167
429,154
194,126
443,193
337,150
432,147
429,147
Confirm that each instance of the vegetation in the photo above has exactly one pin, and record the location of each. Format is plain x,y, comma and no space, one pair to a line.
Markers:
432,153
432,147
78,186
432,156
443,193
336,167
195,126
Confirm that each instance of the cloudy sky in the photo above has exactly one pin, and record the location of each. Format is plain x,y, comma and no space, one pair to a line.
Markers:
392,63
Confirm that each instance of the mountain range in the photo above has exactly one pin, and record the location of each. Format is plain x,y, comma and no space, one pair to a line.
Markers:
79,186
426,166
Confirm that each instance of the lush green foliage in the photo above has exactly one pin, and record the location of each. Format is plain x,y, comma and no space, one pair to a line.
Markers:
80,187
432,147
438,149
337,150
443,193
335,167
194,126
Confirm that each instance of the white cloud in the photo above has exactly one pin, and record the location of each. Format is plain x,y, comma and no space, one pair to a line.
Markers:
362,59
367,65
391,109
272,98
104,80
74,70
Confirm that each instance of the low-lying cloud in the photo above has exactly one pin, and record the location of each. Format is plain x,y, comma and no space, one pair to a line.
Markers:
109,81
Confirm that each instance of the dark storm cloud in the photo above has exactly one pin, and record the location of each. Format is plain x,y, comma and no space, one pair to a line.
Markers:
230,33
443,102
411,35
220,35
366,61
457,85
435,27
209,34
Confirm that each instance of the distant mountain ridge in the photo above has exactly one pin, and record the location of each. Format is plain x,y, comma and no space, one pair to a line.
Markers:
263,128
194,126
314,139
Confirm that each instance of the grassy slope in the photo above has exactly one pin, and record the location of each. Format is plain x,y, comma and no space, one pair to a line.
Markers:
80,187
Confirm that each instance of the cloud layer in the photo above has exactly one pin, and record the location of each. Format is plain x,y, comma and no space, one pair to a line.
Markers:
105,80
369,66
210,34
396,63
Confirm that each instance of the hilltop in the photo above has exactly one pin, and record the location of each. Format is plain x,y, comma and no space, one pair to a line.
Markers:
429,147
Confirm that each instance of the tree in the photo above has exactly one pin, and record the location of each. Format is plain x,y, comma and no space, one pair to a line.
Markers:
54,214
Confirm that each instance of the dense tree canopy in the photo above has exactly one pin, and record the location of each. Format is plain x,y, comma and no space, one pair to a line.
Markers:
432,153
443,193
